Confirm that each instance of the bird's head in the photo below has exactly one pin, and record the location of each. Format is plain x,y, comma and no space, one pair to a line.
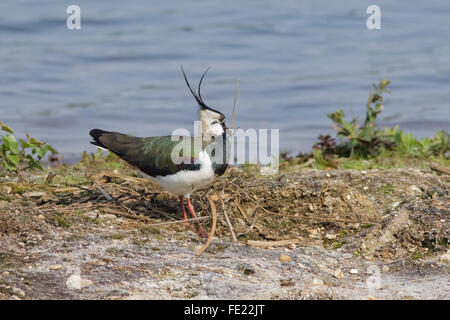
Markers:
213,121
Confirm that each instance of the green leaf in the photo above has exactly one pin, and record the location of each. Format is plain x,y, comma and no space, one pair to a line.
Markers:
11,143
24,144
35,142
4,127
13,159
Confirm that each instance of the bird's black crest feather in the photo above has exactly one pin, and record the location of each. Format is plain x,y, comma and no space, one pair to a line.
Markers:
198,96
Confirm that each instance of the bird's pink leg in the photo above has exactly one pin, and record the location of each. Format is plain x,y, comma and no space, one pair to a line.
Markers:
182,207
184,213
192,212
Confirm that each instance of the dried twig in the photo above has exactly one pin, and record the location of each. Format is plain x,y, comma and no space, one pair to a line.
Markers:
233,235
266,244
104,193
177,221
437,167
213,227
234,105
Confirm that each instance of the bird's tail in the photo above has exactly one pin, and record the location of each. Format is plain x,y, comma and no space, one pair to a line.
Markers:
96,134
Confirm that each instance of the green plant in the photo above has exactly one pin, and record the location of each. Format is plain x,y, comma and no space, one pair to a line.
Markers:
26,156
368,141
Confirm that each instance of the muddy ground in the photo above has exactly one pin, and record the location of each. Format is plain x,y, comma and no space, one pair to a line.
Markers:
376,234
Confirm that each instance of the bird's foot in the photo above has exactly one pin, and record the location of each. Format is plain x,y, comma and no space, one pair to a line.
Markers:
201,231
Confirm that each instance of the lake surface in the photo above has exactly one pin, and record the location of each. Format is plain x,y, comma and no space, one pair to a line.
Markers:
296,61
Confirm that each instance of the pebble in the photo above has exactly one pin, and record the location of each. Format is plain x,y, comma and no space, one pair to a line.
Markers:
56,267
75,282
34,194
415,189
3,204
41,217
395,204
18,292
317,282
285,258
330,236
385,269
91,214
445,258
338,274
354,271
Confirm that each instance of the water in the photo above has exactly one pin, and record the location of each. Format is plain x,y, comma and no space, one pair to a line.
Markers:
296,61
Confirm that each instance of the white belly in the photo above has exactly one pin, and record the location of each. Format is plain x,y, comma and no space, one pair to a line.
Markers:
185,181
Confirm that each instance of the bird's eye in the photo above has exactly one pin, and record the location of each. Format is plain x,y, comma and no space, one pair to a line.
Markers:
215,122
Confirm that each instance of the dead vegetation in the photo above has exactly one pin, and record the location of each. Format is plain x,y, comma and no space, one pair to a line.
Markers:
369,212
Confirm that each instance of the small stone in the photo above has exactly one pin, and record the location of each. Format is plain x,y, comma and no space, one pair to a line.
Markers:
291,246
354,271
317,282
5,273
285,258
385,269
395,204
311,207
42,217
412,250
3,204
415,189
347,255
108,216
34,194
18,292
287,283
91,214
338,274
55,267
445,258
75,282
330,236
328,202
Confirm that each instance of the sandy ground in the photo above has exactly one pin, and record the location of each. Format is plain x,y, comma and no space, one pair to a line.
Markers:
402,254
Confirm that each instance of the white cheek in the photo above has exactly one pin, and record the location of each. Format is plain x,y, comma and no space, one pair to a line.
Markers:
214,130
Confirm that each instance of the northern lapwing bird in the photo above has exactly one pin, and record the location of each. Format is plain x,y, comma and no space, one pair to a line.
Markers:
154,156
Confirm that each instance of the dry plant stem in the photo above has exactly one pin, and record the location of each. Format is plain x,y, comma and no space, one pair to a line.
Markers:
178,221
234,105
266,244
104,193
232,115
233,235
437,167
213,227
